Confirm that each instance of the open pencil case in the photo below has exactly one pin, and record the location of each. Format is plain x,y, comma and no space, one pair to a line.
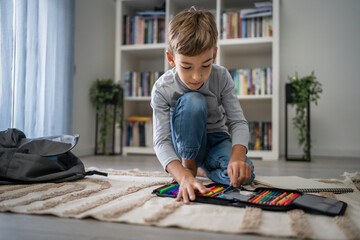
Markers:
272,199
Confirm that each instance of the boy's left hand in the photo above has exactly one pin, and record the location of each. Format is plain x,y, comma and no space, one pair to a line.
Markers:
239,172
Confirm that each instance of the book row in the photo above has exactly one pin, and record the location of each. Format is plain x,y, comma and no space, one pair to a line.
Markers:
256,81
143,29
139,84
260,136
233,25
138,132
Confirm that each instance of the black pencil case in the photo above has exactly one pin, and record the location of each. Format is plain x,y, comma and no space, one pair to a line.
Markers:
272,199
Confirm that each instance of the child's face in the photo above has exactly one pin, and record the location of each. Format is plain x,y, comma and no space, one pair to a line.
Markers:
193,71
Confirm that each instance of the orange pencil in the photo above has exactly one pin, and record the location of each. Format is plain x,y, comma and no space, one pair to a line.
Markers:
263,194
257,198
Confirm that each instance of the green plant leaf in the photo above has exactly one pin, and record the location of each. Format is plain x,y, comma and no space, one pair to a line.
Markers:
104,95
305,89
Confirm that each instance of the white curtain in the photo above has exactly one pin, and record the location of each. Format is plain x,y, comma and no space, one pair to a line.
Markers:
37,40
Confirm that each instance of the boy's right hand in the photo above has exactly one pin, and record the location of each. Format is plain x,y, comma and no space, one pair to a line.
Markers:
187,181
188,186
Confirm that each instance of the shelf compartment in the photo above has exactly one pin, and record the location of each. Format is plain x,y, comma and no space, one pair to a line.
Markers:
246,46
138,59
136,108
245,53
257,110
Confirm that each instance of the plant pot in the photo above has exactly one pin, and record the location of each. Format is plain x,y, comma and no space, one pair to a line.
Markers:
289,89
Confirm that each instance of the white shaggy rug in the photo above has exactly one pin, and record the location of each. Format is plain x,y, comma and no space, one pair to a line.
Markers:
125,196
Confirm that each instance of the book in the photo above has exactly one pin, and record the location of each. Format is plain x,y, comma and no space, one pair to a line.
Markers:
256,12
138,131
244,24
139,84
151,13
300,184
144,28
256,81
260,136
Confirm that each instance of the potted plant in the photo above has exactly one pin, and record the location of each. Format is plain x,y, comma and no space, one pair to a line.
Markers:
106,97
303,91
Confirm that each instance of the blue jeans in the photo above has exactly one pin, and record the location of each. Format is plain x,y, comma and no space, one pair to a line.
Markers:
212,151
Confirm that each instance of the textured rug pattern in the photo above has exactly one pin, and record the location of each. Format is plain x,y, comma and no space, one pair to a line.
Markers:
125,196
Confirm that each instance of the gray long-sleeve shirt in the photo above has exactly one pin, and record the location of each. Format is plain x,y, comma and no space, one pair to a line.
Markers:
222,102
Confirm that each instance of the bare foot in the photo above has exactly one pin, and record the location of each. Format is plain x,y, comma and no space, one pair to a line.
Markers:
201,172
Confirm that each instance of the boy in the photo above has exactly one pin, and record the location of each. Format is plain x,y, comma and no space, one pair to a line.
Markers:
188,104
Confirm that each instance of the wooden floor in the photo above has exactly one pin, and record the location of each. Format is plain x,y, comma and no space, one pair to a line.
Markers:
18,226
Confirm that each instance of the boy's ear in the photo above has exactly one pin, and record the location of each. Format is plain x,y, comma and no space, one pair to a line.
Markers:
170,58
215,54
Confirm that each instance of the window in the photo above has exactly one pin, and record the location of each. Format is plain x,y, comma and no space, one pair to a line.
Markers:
36,66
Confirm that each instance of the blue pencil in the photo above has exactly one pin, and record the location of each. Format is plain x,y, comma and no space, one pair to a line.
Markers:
227,188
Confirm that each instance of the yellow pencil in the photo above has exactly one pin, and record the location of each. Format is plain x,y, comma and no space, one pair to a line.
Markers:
213,191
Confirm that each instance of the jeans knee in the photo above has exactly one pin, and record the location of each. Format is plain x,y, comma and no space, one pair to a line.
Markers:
195,104
252,177
248,161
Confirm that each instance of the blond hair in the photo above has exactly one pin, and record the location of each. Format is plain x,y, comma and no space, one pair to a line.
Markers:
191,32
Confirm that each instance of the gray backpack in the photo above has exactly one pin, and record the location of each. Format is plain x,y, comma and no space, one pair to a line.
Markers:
38,160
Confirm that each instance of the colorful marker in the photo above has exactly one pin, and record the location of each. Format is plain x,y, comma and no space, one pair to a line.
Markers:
165,186
164,190
171,191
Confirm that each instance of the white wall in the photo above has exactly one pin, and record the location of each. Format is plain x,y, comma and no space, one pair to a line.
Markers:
321,35
324,36
94,58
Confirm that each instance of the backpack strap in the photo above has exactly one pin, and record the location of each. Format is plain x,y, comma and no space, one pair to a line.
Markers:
94,172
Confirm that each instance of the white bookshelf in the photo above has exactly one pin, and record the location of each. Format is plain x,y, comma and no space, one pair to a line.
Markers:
232,54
